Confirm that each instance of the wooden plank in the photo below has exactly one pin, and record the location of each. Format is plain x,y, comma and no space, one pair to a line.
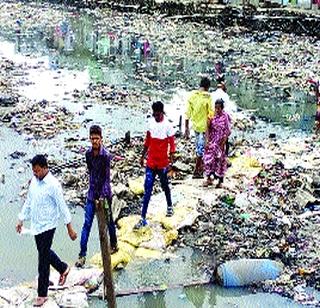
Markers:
160,288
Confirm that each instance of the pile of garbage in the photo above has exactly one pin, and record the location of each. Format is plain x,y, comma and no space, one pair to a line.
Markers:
80,283
271,213
271,188
7,96
35,18
39,120
273,58
107,94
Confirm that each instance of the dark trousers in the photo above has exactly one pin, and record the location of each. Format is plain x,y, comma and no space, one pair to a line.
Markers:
47,257
148,186
89,212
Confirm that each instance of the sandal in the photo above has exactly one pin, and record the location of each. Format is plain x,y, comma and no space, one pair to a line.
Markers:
39,301
219,185
63,277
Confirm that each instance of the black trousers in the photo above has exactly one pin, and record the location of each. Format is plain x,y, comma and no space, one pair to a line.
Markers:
47,257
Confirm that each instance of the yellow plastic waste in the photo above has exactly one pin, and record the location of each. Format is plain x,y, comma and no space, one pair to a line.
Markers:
244,165
136,185
166,222
122,256
181,213
147,253
149,242
170,236
133,237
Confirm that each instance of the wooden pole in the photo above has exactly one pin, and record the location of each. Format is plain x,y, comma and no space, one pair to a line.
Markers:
180,124
153,289
103,217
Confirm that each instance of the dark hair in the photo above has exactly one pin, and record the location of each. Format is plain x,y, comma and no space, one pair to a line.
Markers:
39,160
205,83
220,102
95,130
157,106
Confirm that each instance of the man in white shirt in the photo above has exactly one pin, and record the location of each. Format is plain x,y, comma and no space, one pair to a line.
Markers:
220,93
44,206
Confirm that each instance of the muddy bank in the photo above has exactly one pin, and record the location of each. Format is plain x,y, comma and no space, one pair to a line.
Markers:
271,17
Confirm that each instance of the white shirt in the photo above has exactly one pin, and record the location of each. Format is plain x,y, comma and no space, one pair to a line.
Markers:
218,94
44,205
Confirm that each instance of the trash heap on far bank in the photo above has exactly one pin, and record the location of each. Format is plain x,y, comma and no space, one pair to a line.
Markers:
271,57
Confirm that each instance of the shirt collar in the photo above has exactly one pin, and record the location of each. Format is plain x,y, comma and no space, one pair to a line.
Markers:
45,179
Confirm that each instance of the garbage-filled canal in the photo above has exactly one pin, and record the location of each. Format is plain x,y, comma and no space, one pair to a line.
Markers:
92,71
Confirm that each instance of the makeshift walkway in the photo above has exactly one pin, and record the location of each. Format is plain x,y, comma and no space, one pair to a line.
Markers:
149,243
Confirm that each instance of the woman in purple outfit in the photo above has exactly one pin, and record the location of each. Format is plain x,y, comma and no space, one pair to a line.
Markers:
215,158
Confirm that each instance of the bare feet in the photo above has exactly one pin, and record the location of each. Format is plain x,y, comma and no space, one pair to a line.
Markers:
207,183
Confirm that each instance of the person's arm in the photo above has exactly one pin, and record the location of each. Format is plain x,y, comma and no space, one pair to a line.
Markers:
209,109
72,234
207,132
64,210
145,148
172,147
25,213
171,142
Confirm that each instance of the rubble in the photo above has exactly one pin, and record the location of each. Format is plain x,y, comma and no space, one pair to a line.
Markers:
264,220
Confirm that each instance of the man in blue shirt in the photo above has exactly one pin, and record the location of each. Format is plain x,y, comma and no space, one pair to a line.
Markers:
98,163
44,206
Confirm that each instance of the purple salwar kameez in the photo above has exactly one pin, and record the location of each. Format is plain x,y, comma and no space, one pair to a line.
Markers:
215,158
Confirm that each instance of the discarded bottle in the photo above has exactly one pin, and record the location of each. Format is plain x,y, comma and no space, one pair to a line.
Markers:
245,272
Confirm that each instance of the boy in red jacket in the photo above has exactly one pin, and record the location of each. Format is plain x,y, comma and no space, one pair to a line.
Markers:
159,139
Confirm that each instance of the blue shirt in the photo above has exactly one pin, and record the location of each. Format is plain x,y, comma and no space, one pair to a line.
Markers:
99,174
44,205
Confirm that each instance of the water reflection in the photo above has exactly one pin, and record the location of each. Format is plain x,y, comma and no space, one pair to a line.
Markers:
269,104
155,300
197,296
119,56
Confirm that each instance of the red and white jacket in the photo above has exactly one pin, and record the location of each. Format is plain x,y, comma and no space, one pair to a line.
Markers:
160,136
